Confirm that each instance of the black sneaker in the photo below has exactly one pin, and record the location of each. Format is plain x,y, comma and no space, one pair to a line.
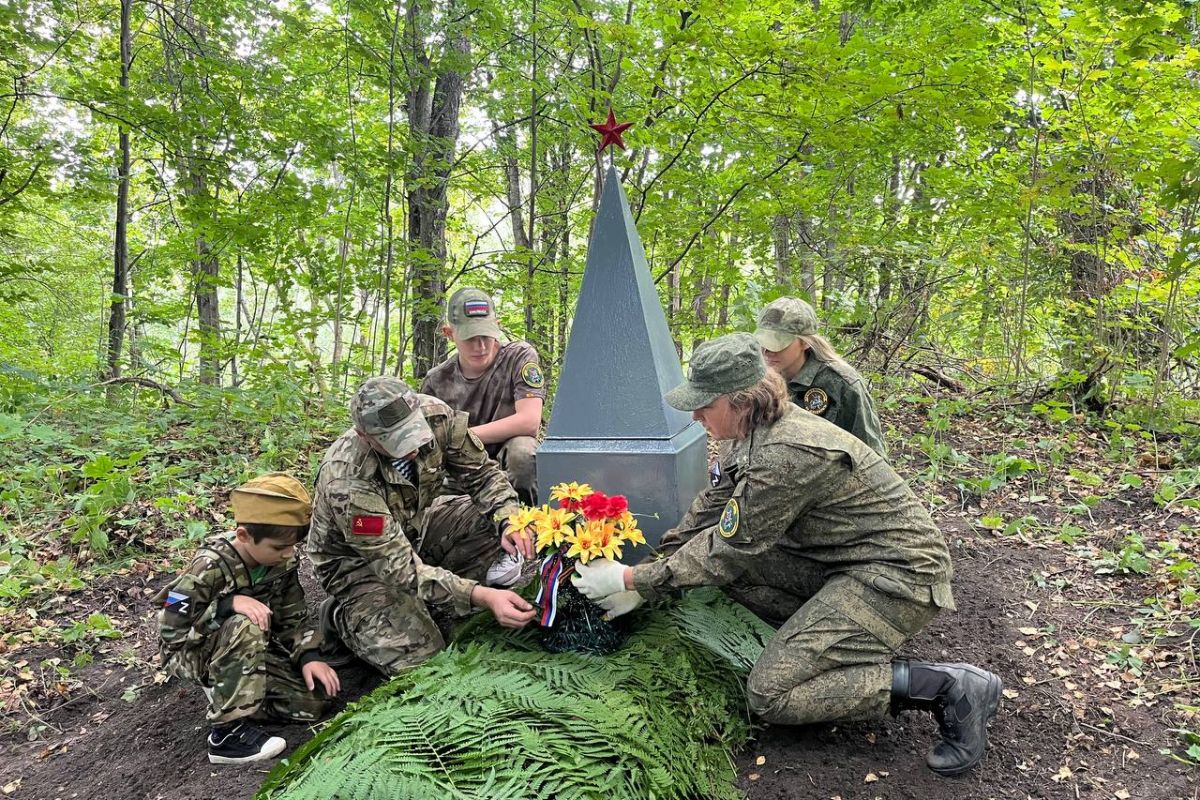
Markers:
239,743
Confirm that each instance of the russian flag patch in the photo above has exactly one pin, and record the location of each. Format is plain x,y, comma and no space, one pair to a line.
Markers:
476,308
178,603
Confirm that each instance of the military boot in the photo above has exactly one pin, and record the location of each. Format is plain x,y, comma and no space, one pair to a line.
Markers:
333,651
962,698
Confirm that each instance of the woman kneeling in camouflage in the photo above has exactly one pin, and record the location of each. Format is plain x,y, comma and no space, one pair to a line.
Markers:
811,528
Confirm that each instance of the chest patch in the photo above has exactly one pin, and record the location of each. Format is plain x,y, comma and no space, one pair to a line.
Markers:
816,400
731,517
367,525
533,376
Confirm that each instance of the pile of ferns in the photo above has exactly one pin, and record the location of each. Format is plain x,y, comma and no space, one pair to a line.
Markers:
498,717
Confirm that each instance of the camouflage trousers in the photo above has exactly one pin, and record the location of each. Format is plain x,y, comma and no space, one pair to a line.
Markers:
245,672
517,458
390,629
831,659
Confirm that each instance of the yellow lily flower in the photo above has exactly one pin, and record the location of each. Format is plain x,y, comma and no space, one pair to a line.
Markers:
570,491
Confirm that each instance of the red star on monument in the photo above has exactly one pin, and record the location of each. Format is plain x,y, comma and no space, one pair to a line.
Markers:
610,131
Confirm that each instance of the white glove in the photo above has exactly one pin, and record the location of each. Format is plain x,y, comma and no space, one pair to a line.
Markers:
620,603
600,577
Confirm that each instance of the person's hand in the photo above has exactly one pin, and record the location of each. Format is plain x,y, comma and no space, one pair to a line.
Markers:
253,610
319,671
620,603
509,608
517,541
599,578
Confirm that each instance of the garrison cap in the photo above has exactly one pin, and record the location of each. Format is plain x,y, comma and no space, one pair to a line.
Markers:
783,320
272,499
387,410
471,313
723,365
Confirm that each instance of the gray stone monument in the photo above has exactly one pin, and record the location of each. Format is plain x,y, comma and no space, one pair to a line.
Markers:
610,426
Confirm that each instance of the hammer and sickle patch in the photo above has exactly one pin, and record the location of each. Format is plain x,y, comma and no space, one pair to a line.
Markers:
816,401
730,518
533,376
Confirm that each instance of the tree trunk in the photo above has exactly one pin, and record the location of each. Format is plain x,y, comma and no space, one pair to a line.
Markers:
433,119
116,315
781,234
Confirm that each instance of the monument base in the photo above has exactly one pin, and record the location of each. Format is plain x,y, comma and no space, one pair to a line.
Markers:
657,476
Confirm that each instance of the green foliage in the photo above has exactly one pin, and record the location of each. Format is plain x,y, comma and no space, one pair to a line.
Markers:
497,717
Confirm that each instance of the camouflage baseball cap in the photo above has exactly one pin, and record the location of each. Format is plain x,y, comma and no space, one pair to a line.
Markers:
783,320
387,410
471,313
718,367
272,499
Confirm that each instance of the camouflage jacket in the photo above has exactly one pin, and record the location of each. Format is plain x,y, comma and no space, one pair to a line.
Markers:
839,394
197,602
368,521
805,488
514,375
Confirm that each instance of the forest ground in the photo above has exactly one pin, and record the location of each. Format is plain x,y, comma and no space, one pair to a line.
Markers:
1074,559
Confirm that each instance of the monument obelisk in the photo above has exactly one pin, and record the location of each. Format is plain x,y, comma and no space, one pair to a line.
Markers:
610,426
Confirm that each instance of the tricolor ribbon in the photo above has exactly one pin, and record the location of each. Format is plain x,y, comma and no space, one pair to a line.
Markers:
554,571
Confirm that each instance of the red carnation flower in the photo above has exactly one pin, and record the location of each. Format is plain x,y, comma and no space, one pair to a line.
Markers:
616,506
595,505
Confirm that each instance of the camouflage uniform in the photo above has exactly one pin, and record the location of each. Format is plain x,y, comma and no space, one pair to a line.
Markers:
841,397
830,389
385,546
249,672
811,526
514,375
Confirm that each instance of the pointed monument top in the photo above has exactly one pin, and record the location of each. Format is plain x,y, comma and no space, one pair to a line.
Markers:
620,359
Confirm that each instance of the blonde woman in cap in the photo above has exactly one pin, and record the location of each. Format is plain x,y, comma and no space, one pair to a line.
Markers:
811,530
234,621
817,378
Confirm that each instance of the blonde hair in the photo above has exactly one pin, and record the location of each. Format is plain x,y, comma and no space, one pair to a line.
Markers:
761,403
820,349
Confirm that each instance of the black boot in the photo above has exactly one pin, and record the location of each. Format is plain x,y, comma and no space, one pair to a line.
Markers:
962,698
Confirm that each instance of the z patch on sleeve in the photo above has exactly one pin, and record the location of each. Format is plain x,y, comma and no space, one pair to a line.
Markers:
367,525
178,603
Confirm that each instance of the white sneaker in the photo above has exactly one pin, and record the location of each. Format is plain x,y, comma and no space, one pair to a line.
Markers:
506,570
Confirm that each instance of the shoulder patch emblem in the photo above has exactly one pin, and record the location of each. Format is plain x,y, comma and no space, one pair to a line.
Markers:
533,376
816,400
178,603
730,518
367,525
475,440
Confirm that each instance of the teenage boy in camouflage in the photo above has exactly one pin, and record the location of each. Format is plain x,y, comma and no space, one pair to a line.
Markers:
234,621
387,543
814,532
499,386
817,378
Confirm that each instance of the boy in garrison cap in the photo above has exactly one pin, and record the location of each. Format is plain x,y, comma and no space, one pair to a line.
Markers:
234,622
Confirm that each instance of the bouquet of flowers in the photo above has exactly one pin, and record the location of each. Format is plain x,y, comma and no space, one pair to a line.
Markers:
586,524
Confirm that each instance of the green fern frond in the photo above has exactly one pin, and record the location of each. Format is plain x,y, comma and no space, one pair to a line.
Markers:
497,718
